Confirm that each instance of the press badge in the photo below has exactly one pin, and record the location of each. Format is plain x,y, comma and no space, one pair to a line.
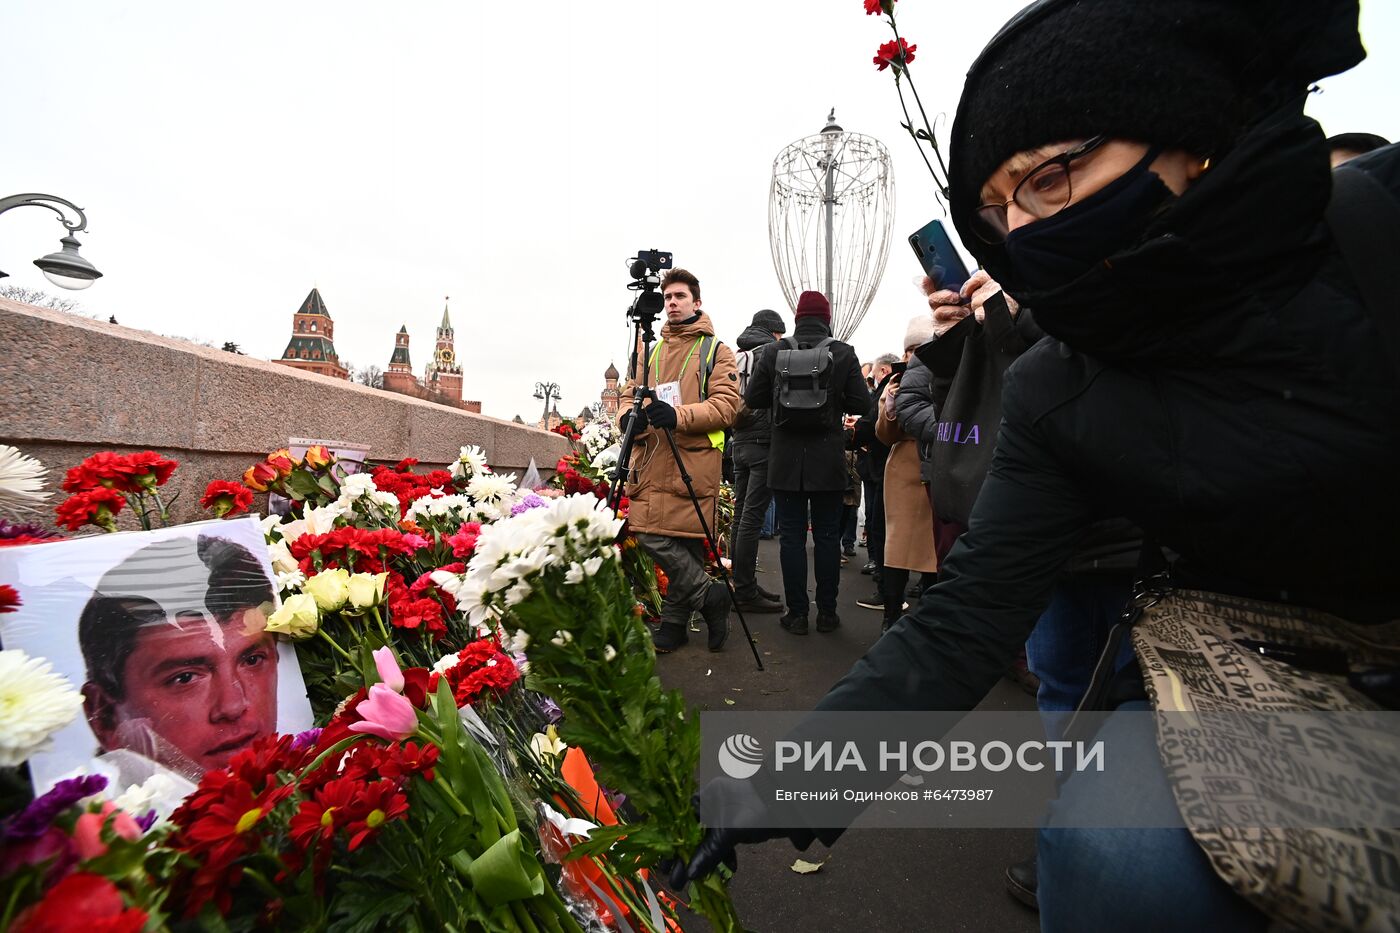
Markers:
670,393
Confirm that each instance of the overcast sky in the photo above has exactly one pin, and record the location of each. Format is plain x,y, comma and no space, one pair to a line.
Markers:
513,156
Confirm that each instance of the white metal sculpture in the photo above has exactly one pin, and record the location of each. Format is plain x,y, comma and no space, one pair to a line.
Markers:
830,212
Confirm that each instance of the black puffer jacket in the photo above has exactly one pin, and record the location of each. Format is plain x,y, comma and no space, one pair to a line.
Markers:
1221,385
753,427
811,461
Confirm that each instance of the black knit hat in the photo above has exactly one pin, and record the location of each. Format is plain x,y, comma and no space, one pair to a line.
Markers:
770,321
1183,74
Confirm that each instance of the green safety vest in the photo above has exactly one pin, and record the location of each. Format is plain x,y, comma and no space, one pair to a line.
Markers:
708,346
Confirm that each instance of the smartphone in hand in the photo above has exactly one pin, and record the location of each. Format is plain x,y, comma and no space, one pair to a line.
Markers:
940,259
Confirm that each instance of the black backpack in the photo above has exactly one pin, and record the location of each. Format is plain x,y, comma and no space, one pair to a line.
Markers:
802,386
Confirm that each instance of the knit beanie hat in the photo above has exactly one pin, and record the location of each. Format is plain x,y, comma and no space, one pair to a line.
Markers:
813,304
770,321
919,331
1181,74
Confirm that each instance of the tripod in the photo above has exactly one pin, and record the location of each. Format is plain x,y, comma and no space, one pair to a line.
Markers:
642,339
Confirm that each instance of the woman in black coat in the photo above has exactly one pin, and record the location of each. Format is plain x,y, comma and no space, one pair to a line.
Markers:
1210,373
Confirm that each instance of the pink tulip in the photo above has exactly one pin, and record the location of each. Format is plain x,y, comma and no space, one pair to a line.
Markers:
87,832
388,669
386,714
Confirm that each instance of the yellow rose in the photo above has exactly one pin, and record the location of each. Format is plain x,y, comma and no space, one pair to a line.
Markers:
330,588
367,589
298,617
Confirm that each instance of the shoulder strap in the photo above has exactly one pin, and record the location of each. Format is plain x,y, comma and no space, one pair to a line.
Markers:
709,346
1365,222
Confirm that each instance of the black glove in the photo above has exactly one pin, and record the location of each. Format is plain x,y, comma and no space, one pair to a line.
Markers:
742,810
660,415
626,422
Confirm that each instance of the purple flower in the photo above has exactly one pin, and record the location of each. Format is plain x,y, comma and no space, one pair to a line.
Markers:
550,709
10,530
531,501
147,821
34,819
305,739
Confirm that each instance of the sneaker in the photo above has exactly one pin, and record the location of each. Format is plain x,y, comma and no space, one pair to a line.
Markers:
1021,883
794,623
828,621
845,560
716,613
668,637
872,602
758,603
869,568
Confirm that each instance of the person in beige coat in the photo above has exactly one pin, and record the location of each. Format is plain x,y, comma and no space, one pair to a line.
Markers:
695,394
909,545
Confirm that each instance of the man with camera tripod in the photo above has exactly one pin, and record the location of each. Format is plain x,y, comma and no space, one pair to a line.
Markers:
694,392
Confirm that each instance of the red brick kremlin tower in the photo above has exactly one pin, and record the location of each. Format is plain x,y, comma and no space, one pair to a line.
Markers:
311,348
399,376
444,375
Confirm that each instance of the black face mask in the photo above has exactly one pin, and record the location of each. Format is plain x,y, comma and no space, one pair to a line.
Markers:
1053,252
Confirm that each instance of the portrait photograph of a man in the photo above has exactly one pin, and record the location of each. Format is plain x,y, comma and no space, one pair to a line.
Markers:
175,667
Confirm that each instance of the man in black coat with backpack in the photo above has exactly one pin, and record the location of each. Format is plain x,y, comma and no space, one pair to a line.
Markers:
809,380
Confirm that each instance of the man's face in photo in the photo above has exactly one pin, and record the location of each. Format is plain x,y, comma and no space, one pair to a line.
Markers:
680,306
195,692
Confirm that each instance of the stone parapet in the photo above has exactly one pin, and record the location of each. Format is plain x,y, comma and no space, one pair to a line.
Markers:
74,386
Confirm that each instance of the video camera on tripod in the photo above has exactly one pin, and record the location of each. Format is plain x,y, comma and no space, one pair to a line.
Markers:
646,269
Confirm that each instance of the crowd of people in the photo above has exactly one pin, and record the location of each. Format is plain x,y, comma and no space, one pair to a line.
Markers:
1199,372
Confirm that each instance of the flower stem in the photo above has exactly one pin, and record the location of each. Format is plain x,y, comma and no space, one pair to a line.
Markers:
331,641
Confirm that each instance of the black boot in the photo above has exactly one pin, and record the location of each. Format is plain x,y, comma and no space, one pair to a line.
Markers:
716,612
794,622
1021,883
668,637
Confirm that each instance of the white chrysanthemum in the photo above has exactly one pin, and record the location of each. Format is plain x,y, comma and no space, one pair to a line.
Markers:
290,581
491,487
471,462
574,574
597,437
34,704
609,652
518,642
592,565
21,481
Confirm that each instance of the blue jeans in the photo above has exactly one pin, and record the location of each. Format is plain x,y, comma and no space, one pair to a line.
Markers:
1070,635
770,519
826,509
1130,879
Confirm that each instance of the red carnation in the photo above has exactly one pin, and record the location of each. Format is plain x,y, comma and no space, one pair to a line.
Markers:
9,599
878,6
149,469
405,465
896,52
226,498
104,468
97,506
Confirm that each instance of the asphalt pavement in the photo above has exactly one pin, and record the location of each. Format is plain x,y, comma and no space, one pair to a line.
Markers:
871,879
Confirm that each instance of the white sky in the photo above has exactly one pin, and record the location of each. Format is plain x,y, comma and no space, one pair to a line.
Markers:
232,155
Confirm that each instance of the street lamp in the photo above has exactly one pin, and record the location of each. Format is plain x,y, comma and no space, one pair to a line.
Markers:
65,268
546,391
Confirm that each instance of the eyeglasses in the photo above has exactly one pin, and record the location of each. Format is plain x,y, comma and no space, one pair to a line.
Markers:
1044,191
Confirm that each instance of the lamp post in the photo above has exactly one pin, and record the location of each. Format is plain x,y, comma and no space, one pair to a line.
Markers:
546,391
65,268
